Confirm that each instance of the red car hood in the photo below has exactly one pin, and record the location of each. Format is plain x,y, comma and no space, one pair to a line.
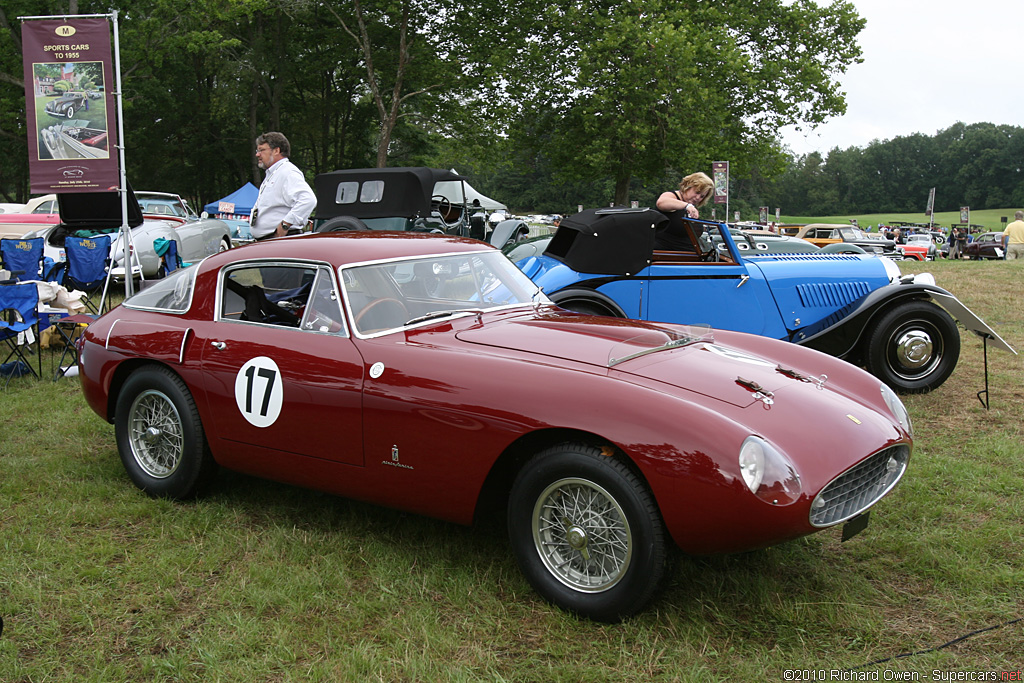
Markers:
700,365
804,411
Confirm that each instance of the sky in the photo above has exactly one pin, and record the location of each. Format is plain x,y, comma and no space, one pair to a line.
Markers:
926,66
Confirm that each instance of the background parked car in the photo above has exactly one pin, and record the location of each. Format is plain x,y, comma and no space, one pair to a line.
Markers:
822,234
919,247
33,215
987,245
166,206
416,199
92,213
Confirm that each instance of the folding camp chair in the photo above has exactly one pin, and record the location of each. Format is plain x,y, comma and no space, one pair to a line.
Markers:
167,250
19,304
22,257
88,260
68,329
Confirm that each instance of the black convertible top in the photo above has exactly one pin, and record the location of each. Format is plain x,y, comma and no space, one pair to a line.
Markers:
378,192
616,241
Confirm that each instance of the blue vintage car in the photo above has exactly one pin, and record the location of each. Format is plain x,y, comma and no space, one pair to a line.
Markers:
856,307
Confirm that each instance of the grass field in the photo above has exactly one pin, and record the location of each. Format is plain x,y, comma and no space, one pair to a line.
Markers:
262,582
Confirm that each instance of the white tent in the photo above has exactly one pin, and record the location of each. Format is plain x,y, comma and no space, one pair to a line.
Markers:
452,189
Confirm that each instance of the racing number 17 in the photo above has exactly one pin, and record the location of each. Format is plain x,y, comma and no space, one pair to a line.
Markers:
270,376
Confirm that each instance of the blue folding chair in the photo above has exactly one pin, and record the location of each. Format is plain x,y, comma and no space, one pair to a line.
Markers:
167,250
88,260
22,257
19,314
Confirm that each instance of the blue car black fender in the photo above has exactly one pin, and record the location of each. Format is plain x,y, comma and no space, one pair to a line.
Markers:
842,332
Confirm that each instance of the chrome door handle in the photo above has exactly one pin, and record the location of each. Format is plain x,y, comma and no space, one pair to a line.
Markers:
219,345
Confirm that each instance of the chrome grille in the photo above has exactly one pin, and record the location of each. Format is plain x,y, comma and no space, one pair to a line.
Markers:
859,487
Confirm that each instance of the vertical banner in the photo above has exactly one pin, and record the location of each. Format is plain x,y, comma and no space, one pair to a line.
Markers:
931,203
720,169
69,99
762,215
965,215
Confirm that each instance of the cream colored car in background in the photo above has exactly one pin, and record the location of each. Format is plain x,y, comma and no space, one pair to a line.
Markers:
38,212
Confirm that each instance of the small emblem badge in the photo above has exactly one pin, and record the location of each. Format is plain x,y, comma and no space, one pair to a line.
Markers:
394,460
376,370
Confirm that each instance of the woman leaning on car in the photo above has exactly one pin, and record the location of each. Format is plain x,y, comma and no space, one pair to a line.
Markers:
694,191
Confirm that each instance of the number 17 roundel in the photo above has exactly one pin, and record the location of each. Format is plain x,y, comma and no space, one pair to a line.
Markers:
258,392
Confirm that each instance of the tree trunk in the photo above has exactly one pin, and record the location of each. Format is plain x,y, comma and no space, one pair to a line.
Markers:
622,189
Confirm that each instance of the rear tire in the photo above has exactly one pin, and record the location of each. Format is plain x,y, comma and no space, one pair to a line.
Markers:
587,533
160,436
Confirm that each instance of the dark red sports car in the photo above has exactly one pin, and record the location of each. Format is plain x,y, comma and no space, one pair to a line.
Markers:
427,373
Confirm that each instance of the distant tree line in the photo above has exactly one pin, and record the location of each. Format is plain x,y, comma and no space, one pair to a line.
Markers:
979,165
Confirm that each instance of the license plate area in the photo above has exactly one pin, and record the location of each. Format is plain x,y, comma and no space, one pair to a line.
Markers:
856,525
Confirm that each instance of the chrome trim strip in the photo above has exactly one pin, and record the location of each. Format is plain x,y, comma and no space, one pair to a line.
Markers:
181,351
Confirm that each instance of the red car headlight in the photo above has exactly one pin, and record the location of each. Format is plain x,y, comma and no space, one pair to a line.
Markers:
768,473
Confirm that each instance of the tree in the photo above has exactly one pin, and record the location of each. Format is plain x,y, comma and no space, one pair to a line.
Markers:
650,85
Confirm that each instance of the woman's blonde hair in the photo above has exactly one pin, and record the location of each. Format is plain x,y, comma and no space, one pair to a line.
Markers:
700,182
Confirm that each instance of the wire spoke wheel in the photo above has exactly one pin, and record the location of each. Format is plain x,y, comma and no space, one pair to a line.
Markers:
582,535
160,435
155,433
586,531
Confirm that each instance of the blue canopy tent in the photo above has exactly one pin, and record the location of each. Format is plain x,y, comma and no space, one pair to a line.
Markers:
243,198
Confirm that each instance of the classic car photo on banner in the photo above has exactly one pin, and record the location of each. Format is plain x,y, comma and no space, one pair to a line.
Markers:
68,74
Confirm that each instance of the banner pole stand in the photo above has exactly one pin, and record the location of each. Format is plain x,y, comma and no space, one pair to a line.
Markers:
124,232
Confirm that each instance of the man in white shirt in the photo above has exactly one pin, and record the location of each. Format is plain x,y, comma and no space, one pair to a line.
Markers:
285,200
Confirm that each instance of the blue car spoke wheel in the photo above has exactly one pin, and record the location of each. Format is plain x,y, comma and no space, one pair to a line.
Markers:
160,436
914,347
586,532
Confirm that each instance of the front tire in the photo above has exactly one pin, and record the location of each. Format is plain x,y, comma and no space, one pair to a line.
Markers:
914,347
586,532
160,436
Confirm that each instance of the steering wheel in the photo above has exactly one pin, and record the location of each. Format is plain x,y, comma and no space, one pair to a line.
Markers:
377,303
443,201
711,254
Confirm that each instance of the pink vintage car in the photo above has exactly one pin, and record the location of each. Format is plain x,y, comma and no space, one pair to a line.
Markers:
427,373
37,213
